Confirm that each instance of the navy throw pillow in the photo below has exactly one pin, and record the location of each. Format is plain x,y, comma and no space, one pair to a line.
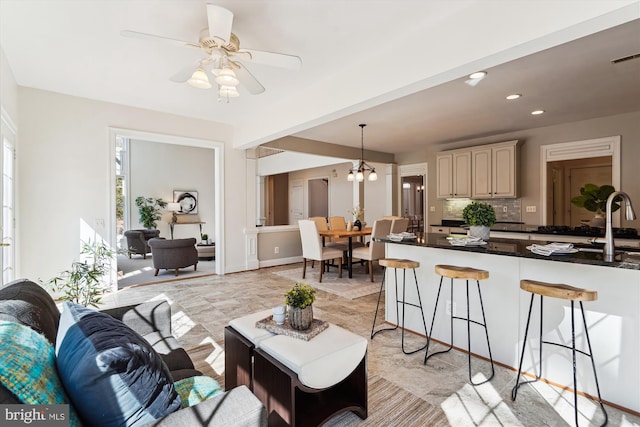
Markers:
110,373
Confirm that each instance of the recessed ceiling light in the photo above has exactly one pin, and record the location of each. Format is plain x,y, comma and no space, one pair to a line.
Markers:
513,96
537,112
478,75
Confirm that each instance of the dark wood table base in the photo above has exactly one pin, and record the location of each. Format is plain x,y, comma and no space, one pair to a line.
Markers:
291,403
288,401
238,360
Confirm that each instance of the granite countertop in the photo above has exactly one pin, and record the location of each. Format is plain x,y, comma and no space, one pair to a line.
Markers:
514,227
589,255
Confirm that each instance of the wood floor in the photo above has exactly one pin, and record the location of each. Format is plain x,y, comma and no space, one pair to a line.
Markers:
402,391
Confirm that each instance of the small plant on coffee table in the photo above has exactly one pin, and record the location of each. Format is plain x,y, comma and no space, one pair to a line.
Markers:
299,300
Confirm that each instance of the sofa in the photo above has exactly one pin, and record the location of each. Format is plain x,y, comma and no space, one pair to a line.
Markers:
137,241
29,315
174,254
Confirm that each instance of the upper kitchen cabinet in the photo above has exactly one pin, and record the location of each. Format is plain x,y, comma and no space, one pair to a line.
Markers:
454,174
495,170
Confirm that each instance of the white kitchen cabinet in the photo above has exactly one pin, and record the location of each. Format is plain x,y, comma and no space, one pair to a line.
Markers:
495,171
454,174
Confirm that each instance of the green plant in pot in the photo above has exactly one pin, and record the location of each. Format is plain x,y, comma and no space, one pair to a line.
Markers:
594,199
150,211
83,282
299,301
479,217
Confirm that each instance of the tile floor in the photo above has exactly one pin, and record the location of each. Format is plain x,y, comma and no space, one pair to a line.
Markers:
201,308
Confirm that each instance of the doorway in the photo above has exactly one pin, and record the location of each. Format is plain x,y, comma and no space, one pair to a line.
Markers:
412,201
594,153
217,150
318,190
277,203
565,180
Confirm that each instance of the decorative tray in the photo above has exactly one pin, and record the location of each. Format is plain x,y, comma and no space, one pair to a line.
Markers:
270,325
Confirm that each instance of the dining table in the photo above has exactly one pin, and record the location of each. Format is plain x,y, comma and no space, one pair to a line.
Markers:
350,234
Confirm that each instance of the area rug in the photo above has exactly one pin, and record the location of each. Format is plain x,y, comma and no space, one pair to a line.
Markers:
390,405
353,288
138,271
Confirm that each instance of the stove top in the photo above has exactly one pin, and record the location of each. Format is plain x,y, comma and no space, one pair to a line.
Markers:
585,230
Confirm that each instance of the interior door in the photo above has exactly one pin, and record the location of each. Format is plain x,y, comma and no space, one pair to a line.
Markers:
7,159
297,201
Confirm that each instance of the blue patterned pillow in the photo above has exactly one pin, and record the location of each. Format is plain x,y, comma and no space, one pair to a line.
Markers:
28,367
111,374
194,390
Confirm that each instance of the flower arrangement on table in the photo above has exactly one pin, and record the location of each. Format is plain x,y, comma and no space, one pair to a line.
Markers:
357,213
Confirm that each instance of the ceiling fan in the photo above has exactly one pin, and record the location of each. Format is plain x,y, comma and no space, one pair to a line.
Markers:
224,57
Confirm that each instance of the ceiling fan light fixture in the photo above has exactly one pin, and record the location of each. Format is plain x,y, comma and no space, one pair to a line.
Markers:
226,77
228,92
199,79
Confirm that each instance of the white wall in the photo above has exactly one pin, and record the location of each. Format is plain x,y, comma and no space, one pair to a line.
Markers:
157,169
64,182
8,88
340,190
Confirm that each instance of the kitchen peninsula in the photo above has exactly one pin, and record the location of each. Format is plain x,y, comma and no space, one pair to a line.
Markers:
613,320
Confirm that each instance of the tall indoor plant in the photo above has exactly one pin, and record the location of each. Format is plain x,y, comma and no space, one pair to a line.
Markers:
479,217
149,210
83,282
299,300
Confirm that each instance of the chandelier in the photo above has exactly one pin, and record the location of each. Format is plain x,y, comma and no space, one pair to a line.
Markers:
358,173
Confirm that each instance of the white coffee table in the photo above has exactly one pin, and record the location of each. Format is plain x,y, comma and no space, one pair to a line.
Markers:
300,382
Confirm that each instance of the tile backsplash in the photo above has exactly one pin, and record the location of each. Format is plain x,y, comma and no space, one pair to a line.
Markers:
452,209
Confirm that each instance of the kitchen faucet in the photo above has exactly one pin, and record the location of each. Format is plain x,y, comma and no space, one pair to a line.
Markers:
609,248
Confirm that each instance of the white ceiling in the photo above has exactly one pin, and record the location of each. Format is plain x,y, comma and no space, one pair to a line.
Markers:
397,65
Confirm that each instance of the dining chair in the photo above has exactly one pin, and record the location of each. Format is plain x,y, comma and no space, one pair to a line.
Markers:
375,250
399,225
322,225
321,222
312,248
338,223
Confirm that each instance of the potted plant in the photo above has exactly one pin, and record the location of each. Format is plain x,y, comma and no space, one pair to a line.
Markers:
299,300
82,283
149,209
594,199
205,239
479,217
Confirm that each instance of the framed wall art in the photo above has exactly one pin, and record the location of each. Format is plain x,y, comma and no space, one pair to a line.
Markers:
188,201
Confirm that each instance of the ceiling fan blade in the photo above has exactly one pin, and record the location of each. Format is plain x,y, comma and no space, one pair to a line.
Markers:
273,59
185,73
152,37
250,83
220,21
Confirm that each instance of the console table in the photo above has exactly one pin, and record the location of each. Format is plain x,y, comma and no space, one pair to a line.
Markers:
173,224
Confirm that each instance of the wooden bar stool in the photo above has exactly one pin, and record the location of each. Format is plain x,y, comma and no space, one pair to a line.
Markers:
562,291
467,273
396,264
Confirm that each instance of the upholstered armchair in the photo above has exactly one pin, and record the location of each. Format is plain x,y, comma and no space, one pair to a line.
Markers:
174,254
137,241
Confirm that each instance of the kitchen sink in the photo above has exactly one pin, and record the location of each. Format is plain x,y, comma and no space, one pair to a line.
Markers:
630,256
